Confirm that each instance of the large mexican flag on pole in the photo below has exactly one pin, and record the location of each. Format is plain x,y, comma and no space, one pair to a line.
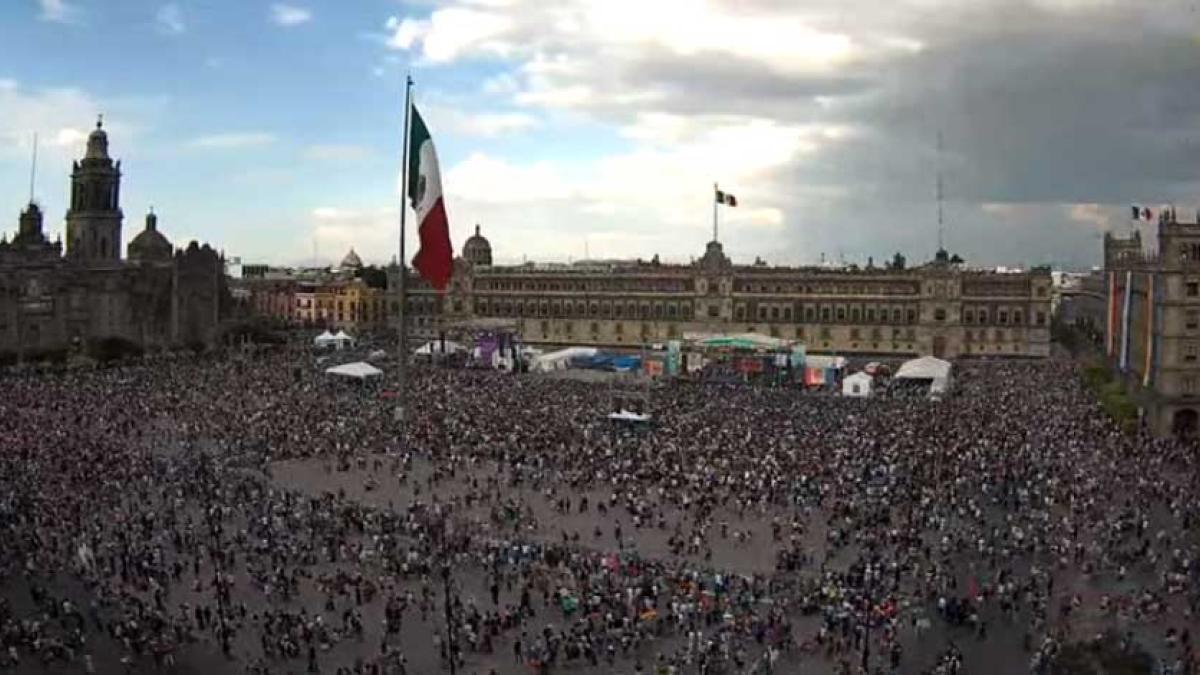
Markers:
434,260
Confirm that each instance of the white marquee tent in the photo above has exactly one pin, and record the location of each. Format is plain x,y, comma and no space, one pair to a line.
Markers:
561,359
324,339
858,384
358,370
929,368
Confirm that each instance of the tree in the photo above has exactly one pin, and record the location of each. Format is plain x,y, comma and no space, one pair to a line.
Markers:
898,261
373,276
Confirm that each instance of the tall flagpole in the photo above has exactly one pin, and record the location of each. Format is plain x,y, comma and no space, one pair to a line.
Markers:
402,367
714,201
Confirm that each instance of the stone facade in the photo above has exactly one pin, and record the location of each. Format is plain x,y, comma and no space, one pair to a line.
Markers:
1152,323
156,296
939,308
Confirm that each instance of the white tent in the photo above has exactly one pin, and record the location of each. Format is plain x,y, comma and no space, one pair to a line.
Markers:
626,416
858,384
824,362
929,368
357,370
435,347
561,359
343,338
324,339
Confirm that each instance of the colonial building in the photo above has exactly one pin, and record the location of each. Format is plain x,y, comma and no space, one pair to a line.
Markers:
1152,322
157,296
940,308
337,298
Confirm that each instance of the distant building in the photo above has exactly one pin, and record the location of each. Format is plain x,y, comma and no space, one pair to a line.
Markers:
1152,322
157,296
939,308
339,298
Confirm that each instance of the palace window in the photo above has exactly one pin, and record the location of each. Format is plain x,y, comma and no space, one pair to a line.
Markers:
870,315
1041,318
855,315
1192,319
787,313
1193,289
825,314
1189,352
939,314
841,313
713,311
968,316
1018,318
762,313
619,328
896,315
854,334
912,316
809,314
1002,317
739,313
774,313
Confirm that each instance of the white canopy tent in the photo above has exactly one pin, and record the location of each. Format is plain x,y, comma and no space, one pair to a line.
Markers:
626,416
358,370
324,339
561,359
929,368
436,347
859,384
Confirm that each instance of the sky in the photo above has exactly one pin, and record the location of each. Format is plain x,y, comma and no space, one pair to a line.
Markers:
569,128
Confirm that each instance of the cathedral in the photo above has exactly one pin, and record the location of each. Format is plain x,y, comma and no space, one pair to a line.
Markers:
56,302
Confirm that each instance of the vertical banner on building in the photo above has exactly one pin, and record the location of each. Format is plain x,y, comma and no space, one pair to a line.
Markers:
1156,302
1111,315
1124,360
673,358
798,358
1148,327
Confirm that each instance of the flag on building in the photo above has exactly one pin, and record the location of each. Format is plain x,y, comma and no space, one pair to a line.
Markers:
726,198
1141,212
434,259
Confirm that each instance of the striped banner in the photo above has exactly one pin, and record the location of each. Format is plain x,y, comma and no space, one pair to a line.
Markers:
1148,311
1111,319
1125,326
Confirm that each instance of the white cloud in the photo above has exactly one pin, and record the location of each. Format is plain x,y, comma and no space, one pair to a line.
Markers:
170,20
451,32
483,178
485,125
289,15
336,152
225,141
372,232
58,11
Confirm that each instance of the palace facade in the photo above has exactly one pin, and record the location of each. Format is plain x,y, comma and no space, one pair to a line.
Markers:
54,301
1152,322
940,308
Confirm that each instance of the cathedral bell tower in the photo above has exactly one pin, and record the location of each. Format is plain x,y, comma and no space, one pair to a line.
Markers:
94,219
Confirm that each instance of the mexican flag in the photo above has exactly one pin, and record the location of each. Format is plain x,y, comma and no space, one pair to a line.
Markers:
434,260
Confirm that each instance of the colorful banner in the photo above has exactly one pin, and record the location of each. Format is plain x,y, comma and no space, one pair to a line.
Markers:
488,346
749,366
673,358
1111,319
814,376
1150,309
798,357
652,368
1125,320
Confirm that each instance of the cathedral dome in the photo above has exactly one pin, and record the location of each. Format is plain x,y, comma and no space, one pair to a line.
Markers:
477,250
352,261
150,244
97,145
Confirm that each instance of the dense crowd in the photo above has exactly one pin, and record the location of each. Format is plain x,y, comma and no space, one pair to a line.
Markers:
243,513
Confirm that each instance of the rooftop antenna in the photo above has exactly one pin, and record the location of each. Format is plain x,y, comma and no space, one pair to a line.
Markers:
33,167
940,195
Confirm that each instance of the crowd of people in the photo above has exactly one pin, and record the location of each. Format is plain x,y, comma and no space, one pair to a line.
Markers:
243,513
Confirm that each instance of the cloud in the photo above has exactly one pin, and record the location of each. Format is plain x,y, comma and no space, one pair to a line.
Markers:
170,19
1050,109
289,15
373,232
336,152
57,11
232,140
485,125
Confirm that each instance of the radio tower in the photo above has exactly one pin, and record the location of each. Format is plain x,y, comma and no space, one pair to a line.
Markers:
940,196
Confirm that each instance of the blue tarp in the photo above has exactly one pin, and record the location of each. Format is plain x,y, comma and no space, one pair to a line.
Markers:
610,362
